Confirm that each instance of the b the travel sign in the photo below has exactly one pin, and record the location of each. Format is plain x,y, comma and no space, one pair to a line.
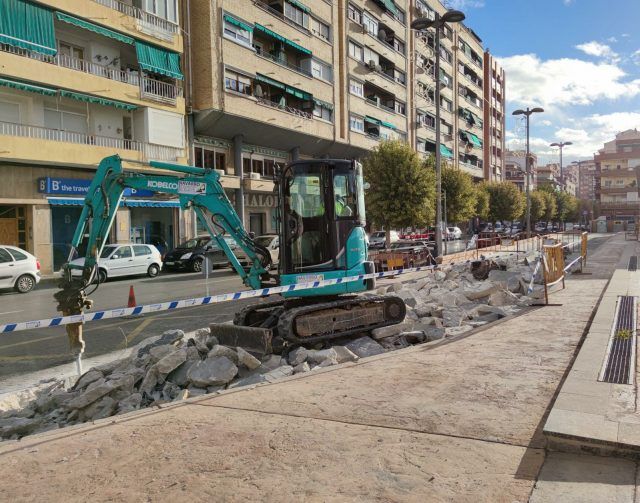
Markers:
78,187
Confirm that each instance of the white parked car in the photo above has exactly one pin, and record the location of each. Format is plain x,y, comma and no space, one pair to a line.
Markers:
125,260
454,232
18,269
270,241
378,239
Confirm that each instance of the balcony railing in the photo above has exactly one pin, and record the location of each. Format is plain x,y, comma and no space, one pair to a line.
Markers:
285,108
262,5
284,62
150,152
149,88
377,104
149,23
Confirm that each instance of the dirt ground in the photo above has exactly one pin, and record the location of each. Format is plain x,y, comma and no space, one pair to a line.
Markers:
456,422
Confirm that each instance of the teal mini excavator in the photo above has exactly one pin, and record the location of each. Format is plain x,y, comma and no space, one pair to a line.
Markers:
321,218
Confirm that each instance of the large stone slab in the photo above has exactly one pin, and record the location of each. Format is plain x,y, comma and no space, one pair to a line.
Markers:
212,371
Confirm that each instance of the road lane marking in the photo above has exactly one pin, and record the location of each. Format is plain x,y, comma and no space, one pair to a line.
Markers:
12,312
135,332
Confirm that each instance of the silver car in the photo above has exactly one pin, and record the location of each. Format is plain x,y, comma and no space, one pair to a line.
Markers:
18,269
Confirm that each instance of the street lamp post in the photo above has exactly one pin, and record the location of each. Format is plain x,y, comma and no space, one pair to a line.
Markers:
422,24
561,145
527,113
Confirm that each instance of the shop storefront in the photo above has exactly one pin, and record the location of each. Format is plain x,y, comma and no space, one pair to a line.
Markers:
13,227
260,212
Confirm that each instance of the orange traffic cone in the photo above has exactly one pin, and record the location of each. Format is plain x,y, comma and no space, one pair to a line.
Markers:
132,297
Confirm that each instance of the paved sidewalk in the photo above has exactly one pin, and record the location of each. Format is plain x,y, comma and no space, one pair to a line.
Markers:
591,415
460,421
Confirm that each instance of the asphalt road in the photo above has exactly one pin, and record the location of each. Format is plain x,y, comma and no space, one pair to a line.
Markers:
36,349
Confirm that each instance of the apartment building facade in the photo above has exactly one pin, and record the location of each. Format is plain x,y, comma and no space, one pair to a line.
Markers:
586,180
515,169
81,80
549,175
616,178
494,118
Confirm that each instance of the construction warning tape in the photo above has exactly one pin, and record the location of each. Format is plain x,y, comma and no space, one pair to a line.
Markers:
213,299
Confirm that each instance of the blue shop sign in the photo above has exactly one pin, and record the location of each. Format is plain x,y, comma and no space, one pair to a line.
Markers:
79,187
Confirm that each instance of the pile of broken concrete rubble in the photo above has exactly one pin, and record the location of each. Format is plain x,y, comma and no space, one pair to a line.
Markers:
441,304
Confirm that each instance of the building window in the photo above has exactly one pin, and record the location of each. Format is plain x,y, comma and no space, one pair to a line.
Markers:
370,24
263,165
70,50
354,14
446,55
370,55
236,33
399,76
355,51
323,112
320,29
356,123
446,104
321,70
209,158
166,9
356,88
400,16
9,112
446,128
400,108
237,82
296,15
65,121
398,45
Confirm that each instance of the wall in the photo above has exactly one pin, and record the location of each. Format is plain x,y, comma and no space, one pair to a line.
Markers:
41,222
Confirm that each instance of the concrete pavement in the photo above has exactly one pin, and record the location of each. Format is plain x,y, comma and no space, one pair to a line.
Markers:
458,421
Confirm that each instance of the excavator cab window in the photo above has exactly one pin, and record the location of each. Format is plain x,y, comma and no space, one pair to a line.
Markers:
321,205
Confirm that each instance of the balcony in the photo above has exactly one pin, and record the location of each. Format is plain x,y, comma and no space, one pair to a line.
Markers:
470,75
285,108
619,189
276,8
146,22
379,98
470,97
274,47
147,151
149,89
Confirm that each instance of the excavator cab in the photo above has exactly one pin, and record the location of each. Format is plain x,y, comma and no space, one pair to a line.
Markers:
322,232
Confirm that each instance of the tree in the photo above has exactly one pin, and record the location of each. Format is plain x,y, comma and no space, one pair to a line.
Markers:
550,205
401,190
482,201
538,205
505,201
567,205
461,194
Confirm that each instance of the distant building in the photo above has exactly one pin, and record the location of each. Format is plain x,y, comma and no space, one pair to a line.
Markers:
617,167
571,180
494,141
549,175
515,168
586,180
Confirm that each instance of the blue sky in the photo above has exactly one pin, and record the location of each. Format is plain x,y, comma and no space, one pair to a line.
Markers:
579,59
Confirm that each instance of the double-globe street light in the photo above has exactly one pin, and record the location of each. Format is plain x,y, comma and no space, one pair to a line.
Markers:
422,24
561,145
527,113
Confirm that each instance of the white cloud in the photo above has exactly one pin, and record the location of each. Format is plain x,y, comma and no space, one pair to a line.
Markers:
598,50
546,123
557,83
635,57
612,40
568,2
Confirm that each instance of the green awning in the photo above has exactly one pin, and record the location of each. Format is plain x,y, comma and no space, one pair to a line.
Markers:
267,80
94,28
387,124
14,84
300,6
97,100
28,26
156,60
282,39
474,139
388,5
303,95
445,151
372,120
328,106
239,24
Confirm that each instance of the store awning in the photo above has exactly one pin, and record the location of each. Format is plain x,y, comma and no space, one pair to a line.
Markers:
445,151
65,201
28,87
28,26
156,60
80,23
148,203
372,120
284,40
300,6
298,93
97,100
238,23
388,5
267,80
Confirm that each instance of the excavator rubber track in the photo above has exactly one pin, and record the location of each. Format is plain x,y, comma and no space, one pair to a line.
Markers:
267,327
